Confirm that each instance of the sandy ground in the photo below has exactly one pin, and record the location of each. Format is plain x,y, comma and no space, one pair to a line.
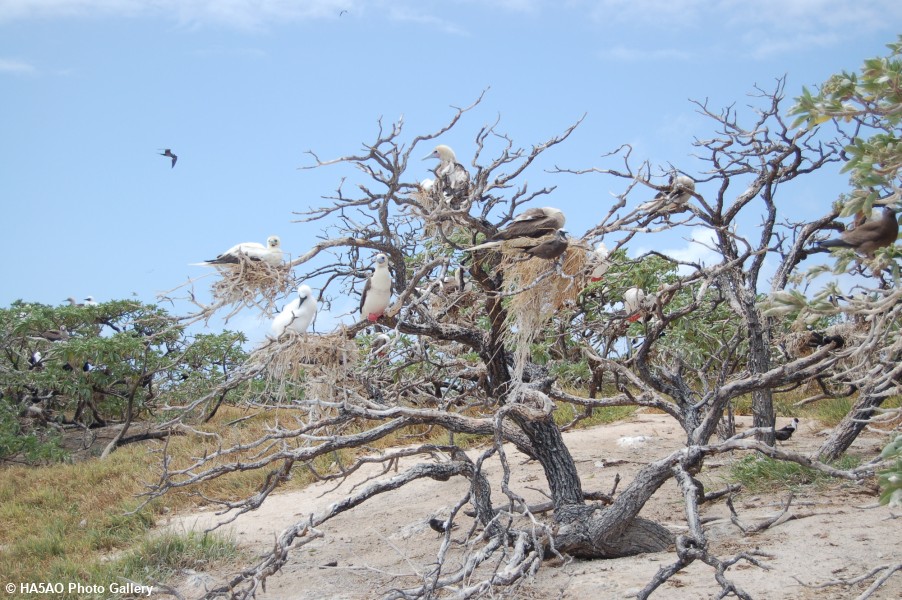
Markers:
386,543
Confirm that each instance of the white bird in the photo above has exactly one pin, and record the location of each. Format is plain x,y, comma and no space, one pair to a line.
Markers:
377,291
297,314
637,303
271,253
600,260
379,344
89,301
680,189
449,170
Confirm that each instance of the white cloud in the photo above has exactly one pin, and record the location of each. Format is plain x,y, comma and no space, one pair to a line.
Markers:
624,54
8,65
698,249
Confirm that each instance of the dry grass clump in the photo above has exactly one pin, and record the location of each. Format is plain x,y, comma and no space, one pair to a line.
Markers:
252,283
537,289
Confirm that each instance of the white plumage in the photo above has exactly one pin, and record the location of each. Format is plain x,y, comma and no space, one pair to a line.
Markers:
89,301
600,260
680,189
638,303
449,170
297,314
271,253
377,291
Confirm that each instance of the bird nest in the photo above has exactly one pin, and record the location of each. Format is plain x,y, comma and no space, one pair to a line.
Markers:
302,368
252,283
537,289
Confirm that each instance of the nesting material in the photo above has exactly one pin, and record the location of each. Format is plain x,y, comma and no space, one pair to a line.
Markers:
306,368
252,283
537,289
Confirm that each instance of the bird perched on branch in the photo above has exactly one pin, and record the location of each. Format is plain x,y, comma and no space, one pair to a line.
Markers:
169,153
548,247
679,189
451,173
271,253
868,236
297,314
784,433
600,260
532,223
637,303
377,291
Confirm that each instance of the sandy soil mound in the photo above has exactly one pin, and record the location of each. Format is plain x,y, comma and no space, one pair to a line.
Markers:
387,543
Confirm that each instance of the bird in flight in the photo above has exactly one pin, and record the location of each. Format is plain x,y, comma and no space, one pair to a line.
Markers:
169,153
342,12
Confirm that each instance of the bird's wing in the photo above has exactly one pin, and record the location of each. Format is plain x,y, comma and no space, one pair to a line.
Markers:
366,289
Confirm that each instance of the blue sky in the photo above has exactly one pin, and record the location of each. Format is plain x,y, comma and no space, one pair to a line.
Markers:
240,89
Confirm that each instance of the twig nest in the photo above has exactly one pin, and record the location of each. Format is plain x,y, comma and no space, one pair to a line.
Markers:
252,283
306,366
537,289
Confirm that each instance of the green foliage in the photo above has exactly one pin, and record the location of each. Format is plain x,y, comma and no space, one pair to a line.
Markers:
95,364
871,102
891,479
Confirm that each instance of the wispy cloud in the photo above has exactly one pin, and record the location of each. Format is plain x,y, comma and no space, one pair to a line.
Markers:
624,54
9,65
761,29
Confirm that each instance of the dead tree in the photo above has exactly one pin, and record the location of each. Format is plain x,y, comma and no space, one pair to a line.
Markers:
470,370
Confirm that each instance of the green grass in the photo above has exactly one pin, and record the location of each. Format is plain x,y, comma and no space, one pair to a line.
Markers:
762,474
600,416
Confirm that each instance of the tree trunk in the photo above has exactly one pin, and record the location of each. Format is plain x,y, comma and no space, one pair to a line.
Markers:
851,425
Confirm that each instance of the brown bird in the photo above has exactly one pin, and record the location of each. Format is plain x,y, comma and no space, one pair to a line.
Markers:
169,153
550,249
532,223
867,237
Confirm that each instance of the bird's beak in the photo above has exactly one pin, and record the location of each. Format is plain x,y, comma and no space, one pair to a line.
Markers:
432,154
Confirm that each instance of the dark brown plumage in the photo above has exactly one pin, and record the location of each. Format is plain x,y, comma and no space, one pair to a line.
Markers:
870,235
551,248
784,433
532,223
169,153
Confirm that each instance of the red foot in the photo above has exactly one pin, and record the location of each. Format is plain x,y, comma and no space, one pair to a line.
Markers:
373,317
634,318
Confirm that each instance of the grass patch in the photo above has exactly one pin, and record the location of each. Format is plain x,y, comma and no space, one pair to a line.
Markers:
566,412
759,473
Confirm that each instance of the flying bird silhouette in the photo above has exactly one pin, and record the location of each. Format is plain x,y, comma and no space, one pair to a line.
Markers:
169,153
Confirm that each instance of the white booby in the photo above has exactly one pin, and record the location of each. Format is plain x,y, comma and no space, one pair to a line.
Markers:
600,260
89,301
297,314
377,291
271,253
378,346
784,433
679,189
637,303
451,172
169,154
